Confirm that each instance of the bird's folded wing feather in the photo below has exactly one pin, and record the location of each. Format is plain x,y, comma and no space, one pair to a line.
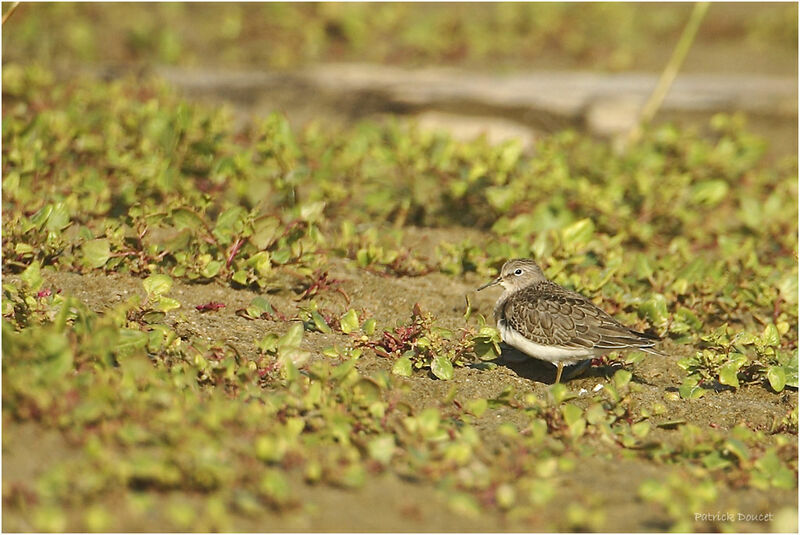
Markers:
557,317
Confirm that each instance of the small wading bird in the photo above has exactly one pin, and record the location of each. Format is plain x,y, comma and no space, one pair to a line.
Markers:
547,322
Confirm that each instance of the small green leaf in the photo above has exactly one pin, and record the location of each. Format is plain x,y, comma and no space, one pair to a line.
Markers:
486,343
59,218
152,317
275,487
715,461
268,344
611,390
362,257
477,406
690,388
349,322
709,192
320,323
464,505
596,414
777,378
55,347
281,256
382,448
40,217
541,491
265,231
571,413
131,339
622,378
228,223
442,367
368,327
261,262
652,490
500,198
96,252
402,367
737,448
655,309
671,424
23,249
165,304
354,476
343,370
258,306
211,269
505,496
640,429
429,420
642,267
774,471
577,428
32,277
578,233
791,370
292,337
366,391
728,374
293,358
185,218
771,336
50,518
270,448
157,285
559,392
240,277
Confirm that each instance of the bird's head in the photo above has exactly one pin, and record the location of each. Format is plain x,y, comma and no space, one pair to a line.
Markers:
516,274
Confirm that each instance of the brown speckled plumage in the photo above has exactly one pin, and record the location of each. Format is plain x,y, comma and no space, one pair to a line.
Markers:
550,315
551,323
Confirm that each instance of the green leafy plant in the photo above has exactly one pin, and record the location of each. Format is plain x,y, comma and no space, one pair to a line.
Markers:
130,216
741,357
421,344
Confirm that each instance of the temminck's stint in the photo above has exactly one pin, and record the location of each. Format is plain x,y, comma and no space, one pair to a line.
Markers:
547,322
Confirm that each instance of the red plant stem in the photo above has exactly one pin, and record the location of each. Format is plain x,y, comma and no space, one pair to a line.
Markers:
234,249
344,294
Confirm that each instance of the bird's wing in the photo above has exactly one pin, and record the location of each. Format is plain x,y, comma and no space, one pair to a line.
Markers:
550,315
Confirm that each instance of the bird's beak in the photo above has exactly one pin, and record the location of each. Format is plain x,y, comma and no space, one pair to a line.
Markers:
491,283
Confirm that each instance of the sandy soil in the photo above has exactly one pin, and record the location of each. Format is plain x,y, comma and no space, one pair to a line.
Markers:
389,503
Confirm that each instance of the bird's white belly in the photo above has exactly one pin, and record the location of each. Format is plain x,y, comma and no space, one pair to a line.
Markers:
553,355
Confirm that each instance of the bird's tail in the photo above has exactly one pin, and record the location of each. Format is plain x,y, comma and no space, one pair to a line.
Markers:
652,351
649,341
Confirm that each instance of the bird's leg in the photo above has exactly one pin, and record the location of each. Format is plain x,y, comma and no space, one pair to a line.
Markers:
558,373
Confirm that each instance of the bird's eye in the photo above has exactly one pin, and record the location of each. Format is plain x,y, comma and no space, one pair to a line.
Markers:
518,271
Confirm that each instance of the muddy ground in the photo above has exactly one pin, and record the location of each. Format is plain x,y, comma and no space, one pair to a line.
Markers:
388,502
